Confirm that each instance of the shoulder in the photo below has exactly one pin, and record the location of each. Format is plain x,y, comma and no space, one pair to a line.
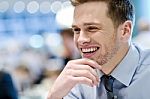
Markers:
144,55
4,76
143,68
143,61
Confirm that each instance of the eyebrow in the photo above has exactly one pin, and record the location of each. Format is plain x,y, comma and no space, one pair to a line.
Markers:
89,23
73,26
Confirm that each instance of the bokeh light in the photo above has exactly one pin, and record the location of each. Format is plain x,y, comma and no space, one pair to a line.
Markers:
33,7
19,6
36,41
56,6
45,7
65,16
4,6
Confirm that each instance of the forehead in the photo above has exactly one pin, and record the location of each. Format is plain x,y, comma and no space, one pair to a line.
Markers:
90,11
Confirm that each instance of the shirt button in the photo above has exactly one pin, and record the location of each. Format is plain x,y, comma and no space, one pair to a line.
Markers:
115,97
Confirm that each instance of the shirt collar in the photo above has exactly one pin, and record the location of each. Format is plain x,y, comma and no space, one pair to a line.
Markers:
126,69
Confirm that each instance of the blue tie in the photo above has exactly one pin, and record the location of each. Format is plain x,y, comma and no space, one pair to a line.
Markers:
108,83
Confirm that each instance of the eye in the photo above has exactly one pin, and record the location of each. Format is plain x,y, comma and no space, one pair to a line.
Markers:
92,29
76,30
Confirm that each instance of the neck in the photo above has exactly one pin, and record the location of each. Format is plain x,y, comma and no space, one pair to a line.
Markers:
112,63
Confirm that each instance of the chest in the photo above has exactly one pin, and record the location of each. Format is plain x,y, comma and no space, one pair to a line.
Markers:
138,89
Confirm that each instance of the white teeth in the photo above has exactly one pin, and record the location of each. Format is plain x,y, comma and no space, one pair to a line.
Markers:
85,50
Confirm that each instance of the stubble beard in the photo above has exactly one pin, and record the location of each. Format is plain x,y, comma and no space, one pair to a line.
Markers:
104,59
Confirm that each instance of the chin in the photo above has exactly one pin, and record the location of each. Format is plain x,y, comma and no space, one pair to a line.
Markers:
102,61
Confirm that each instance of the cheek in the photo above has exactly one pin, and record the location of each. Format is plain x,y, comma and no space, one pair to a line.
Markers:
107,43
104,49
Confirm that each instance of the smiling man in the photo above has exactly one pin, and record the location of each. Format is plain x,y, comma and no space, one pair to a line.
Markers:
111,66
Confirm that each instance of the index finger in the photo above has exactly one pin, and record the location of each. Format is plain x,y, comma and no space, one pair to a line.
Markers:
89,62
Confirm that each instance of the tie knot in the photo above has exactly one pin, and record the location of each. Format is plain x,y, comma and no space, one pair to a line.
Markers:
108,82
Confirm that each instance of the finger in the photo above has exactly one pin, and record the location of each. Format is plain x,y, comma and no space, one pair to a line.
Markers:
85,73
83,80
89,62
85,67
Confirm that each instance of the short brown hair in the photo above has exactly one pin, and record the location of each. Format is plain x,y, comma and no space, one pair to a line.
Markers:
118,10
67,31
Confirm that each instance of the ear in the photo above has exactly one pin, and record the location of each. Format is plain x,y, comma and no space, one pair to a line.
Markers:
126,30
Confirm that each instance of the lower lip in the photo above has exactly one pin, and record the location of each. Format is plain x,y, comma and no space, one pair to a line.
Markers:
88,55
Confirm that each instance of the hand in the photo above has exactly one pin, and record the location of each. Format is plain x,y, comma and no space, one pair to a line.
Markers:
80,71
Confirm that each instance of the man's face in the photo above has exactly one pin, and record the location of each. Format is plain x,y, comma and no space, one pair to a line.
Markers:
94,32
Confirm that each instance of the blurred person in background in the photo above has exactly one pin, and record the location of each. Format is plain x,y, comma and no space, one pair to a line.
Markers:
22,78
33,60
70,50
111,67
7,88
143,36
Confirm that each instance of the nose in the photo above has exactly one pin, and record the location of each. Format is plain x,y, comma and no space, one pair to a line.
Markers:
83,38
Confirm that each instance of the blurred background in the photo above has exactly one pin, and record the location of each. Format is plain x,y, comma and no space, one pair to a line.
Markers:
35,46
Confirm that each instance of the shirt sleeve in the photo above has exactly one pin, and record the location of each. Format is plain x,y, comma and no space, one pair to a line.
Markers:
75,93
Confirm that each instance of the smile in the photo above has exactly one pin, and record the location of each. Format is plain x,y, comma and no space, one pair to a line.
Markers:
89,52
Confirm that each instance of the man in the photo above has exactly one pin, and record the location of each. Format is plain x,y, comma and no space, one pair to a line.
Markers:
102,34
7,89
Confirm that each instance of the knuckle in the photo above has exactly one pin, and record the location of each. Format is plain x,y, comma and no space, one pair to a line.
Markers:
69,72
89,68
86,79
81,80
69,65
69,78
86,72
84,60
69,62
